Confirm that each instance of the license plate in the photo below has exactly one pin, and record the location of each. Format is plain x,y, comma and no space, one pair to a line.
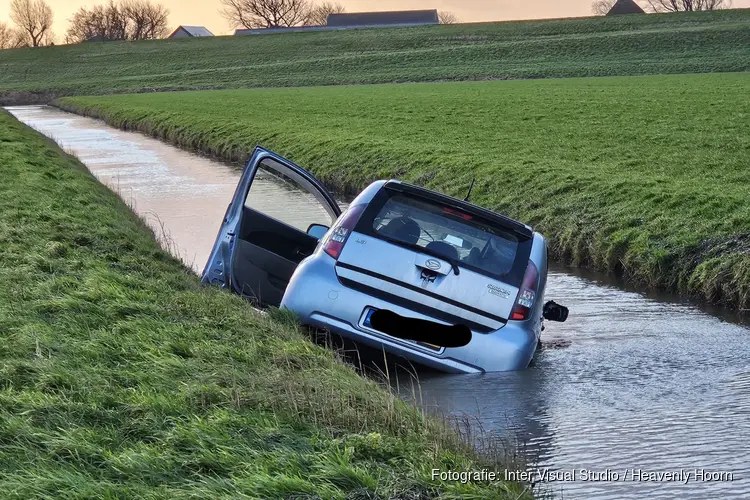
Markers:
368,323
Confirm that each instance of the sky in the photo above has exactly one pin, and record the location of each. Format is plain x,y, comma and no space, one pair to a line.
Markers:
206,12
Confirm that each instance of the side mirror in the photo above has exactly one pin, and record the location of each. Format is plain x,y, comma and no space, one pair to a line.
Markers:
317,231
555,312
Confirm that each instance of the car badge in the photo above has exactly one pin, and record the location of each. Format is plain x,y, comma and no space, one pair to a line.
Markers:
496,290
433,264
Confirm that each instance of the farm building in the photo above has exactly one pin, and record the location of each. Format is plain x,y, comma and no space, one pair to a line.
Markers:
377,19
358,20
190,31
625,7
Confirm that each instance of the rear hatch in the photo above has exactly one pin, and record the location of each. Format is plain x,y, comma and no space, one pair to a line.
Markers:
437,256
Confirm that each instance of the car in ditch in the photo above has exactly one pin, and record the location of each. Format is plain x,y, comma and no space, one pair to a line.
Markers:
434,279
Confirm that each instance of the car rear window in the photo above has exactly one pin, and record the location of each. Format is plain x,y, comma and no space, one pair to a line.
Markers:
462,237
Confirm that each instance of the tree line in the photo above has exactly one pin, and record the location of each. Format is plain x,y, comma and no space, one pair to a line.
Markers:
145,20
33,25
602,7
116,20
121,20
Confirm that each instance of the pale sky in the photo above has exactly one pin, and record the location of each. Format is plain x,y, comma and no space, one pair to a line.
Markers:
205,12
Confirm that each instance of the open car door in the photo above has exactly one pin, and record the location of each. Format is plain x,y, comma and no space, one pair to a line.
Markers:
276,217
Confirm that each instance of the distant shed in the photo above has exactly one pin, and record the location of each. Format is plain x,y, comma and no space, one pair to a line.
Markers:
190,31
625,7
385,18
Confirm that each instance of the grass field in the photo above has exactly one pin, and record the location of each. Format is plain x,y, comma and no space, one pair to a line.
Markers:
699,42
641,176
122,377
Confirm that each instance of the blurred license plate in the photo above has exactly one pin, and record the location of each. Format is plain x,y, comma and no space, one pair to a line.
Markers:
368,323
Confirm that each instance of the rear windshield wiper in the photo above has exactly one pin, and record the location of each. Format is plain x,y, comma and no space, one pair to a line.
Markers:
417,248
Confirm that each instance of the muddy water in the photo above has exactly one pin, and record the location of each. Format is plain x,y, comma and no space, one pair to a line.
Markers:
630,387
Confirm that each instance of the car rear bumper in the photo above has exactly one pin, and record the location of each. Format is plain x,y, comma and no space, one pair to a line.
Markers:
316,295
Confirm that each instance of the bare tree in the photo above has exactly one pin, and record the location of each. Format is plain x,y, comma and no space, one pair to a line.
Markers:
602,7
48,39
266,13
11,38
318,14
6,37
87,23
446,17
127,20
104,21
687,5
34,18
148,20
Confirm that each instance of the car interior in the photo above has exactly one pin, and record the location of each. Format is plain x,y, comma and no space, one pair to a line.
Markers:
265,256
406,229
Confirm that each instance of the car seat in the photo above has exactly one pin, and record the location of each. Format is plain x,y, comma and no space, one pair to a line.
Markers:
443,248
497,260
474,256
403,229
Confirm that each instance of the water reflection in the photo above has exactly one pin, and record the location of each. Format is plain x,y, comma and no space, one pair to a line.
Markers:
642,385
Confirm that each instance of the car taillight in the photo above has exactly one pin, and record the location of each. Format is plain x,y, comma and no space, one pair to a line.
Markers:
527,295
341,231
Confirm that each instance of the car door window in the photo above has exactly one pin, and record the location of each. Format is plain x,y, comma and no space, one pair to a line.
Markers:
287,198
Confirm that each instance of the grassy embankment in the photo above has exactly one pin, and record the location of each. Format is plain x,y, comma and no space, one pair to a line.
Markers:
641,176
699,42
122,377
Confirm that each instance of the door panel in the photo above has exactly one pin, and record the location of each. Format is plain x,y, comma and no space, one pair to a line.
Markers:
259,274
265,256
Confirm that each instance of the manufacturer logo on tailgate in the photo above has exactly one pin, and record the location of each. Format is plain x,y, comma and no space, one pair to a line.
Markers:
433,264
500,292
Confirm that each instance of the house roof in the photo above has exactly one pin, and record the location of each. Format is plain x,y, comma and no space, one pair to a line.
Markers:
402,17
625,7
193,31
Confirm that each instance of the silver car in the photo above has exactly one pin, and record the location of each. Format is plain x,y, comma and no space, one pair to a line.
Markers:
437,280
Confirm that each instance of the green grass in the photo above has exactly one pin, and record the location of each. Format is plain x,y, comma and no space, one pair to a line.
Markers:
641,176
699,42
122,377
